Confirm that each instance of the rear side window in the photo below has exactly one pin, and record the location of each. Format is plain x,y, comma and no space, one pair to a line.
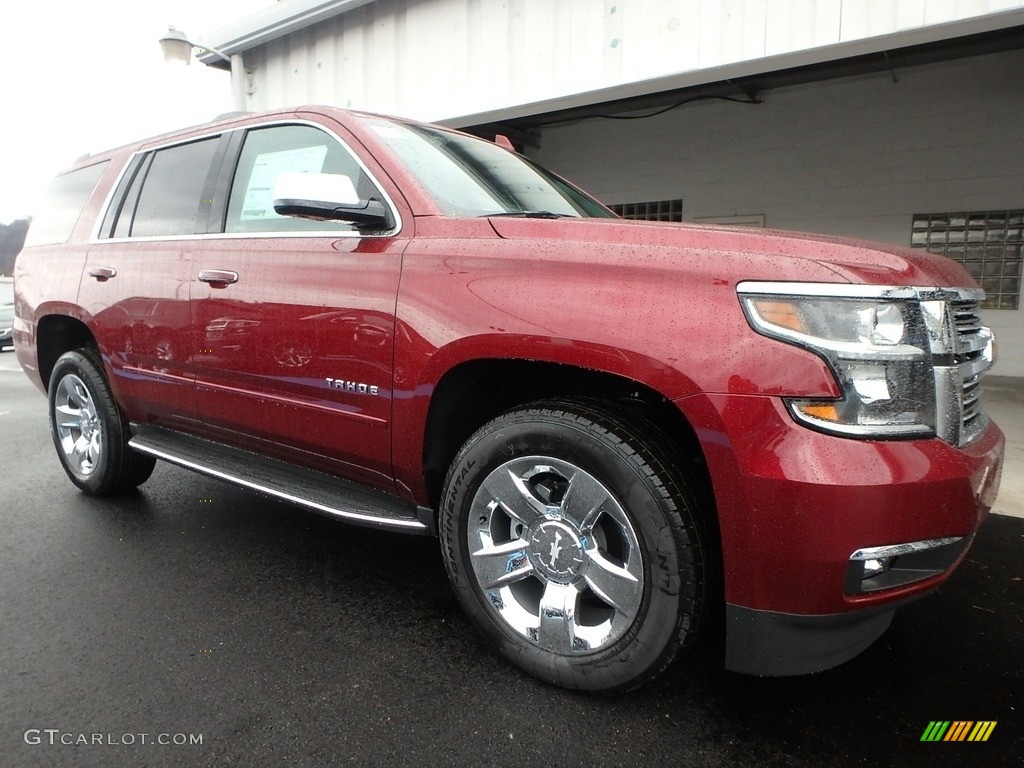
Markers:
171,193
267,152
62,205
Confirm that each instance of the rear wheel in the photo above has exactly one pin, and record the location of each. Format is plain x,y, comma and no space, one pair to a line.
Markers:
574,546
89,432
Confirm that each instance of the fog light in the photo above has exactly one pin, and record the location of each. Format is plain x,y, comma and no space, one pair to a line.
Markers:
872,569
877,565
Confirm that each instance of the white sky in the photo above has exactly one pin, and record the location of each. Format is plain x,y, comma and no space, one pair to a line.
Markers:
80,76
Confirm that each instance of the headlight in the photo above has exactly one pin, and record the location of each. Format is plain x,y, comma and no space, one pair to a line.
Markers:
878,349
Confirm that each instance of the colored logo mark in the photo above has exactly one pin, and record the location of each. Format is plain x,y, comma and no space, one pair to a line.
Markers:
958,730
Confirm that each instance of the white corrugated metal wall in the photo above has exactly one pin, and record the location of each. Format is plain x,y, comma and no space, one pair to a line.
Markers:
444,60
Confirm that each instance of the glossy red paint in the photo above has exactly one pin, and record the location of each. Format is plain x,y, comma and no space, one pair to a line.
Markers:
140,318
304,310
794,504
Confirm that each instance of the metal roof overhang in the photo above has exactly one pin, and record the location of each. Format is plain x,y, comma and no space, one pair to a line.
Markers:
953,40
526,130
271,23
965,37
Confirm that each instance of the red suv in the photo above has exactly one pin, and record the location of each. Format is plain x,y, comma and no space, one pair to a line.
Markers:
619,431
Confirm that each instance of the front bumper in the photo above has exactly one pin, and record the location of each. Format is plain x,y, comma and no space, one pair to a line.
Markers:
797,507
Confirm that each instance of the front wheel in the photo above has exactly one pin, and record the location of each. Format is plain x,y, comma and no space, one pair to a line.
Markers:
89,432
573,545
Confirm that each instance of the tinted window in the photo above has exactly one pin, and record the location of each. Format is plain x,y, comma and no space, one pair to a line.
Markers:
172,191
268,152
127,205
120,211
62,205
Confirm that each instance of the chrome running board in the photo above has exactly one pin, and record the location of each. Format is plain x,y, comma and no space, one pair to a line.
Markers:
315,490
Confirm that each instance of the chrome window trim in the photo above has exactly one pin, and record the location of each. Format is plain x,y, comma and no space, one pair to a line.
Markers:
95,239
243,235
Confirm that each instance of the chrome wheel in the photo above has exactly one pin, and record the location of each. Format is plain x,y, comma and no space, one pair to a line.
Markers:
78,426
556,556
572,546
89,431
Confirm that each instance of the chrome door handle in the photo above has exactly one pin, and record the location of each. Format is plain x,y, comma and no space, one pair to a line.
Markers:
218,276
103,273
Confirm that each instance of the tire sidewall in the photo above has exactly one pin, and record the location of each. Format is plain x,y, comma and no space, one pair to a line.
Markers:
665,609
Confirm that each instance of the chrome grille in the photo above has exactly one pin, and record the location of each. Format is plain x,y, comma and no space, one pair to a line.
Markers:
971,401
966,318
972,348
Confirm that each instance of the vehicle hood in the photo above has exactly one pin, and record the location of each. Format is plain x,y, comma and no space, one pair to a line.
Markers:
855,261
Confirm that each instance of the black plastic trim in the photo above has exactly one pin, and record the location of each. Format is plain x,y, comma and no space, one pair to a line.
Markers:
213,200
773,644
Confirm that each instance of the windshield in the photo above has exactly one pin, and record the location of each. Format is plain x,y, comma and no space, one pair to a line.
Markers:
471,177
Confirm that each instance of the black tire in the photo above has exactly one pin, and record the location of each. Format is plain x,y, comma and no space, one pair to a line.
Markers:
619,591
88,429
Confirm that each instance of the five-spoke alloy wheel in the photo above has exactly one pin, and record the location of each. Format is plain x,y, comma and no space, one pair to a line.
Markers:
574,546
79,430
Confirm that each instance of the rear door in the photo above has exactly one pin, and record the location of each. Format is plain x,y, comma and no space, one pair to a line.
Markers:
137,277
294,319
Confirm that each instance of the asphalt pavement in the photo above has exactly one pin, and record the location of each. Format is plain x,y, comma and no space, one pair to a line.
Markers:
244,631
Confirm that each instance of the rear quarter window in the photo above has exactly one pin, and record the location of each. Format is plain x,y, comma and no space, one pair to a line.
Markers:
62,205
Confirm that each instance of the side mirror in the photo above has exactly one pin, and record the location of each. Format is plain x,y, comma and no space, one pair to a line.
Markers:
327,196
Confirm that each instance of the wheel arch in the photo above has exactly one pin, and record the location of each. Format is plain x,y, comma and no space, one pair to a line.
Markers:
55,335
473,392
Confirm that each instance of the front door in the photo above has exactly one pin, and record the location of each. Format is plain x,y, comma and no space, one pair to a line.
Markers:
293,320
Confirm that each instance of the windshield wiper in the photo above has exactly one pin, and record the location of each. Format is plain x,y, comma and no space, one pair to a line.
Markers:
526,215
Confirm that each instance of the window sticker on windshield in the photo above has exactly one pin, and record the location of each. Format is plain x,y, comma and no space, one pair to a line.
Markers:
388,131
259,195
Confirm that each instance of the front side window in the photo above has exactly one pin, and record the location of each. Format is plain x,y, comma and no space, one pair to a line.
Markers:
470,177
268,152
62,205
172,192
